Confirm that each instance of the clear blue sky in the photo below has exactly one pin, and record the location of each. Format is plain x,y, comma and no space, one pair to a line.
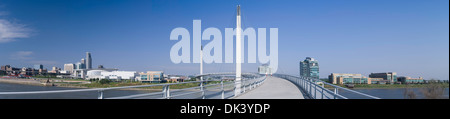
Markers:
410,37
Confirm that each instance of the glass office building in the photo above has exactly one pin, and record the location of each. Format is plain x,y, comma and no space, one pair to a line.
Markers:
390,77
309,68
408,80
340,78
151,77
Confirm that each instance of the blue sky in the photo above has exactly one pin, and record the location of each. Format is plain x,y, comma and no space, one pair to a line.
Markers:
409,37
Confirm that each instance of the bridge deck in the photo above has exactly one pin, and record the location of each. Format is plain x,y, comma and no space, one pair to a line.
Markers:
273,88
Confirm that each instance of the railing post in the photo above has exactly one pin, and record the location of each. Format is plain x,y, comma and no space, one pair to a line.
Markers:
202,88
164,92
100,94
223,93
168,92
315,90
243,82
250,86
310,88
304,84
301,83
322,92
335,92
254,83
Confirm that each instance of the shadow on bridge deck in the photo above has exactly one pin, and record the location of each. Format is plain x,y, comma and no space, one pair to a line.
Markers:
273,88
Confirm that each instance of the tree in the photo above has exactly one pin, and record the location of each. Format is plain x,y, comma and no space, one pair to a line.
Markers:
433,91
409,93
104,81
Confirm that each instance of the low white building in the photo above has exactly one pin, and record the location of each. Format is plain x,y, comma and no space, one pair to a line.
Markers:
94,74
119,75
113,75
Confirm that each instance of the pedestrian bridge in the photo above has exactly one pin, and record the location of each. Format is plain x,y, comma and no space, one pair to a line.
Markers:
216,86
273,88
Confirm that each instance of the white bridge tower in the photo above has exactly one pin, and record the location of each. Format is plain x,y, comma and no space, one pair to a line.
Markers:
238,52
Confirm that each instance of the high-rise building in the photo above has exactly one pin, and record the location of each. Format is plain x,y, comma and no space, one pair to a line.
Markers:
83,61
88,61
309,68
38,66
390,77
83,64
69,67
80,65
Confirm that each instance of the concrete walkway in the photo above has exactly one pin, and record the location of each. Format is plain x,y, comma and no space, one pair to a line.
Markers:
273,88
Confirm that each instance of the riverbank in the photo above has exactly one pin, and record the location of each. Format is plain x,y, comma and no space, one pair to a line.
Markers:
36,81
388,86
22,81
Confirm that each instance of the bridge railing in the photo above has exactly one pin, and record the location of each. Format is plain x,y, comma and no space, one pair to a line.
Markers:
252,83
315,89
207,89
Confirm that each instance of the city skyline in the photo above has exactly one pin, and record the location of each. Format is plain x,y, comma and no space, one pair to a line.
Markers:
134,35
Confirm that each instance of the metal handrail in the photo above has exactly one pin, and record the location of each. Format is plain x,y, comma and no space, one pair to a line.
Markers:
95,89
166,88
307,84
137,95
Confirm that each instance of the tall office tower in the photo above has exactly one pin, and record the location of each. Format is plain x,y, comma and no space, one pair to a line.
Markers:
83,64
238,51
88,61
83,61
309,68
78,65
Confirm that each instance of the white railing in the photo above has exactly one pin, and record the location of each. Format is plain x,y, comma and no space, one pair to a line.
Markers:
313,90
218,88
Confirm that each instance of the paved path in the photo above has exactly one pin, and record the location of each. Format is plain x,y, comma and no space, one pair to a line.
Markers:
273,88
